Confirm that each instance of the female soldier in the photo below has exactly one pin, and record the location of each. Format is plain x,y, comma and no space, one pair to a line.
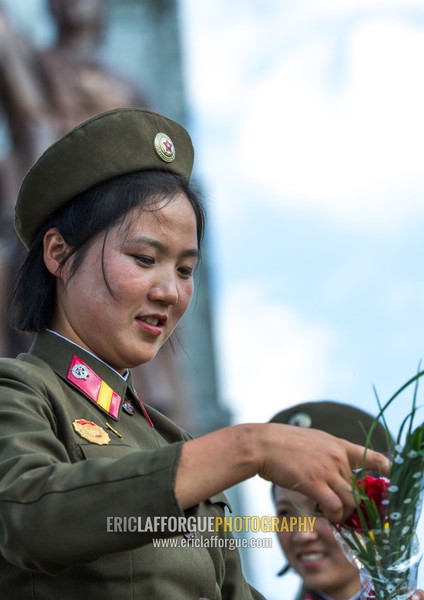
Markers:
315,554
114,230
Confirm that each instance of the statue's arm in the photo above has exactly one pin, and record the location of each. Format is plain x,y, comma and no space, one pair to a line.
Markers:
22,96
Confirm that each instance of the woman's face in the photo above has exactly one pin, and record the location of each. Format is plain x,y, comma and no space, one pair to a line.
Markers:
315,554
148,263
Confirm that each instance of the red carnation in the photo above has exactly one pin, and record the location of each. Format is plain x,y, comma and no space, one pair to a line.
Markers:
376,489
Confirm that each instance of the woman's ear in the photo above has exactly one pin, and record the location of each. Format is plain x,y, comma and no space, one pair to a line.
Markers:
55,251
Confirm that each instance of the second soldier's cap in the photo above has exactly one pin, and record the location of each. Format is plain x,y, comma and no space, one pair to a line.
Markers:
338,419
111,144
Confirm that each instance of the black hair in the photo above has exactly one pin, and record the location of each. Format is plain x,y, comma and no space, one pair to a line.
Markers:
33,295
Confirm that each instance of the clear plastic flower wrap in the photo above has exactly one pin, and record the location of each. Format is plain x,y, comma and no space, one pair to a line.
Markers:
380,536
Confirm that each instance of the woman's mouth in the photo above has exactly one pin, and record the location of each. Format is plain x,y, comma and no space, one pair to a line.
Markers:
151,320
152,324
311,558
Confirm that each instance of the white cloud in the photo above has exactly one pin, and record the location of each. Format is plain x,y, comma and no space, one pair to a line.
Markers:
270,358
353,153
335,6
314,106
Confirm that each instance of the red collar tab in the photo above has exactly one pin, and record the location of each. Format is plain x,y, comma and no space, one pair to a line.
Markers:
143,408
96,390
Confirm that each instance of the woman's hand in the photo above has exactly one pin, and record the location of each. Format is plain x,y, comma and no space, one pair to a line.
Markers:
316,464
310,461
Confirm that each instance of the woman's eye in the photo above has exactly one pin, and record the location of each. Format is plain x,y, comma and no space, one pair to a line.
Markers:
283,514
186,272
145,260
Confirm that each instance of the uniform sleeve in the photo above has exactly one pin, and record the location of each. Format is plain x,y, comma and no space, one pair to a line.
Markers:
53,512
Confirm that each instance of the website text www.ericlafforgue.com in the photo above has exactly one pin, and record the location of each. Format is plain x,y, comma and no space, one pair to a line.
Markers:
214,541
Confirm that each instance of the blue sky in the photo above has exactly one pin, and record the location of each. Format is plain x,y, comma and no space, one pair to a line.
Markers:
311,154
308,123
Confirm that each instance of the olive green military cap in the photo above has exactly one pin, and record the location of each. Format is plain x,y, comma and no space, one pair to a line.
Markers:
338,419
106,146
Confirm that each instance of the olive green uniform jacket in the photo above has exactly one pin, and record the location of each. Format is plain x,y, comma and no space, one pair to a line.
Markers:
59,491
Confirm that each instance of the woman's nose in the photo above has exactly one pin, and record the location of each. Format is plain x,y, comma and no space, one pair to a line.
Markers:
165,292
304,533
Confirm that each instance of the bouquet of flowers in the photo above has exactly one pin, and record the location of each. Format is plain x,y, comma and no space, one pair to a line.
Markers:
380,536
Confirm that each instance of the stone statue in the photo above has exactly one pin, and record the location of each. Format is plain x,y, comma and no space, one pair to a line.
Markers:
45,93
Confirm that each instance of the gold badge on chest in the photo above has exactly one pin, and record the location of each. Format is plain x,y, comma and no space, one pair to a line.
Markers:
91,432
